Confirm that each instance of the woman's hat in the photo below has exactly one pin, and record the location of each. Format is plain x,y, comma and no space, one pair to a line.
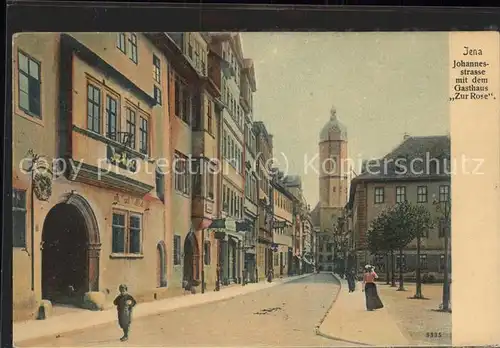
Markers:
368,266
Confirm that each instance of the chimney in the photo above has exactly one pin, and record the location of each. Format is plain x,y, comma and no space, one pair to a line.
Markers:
406,136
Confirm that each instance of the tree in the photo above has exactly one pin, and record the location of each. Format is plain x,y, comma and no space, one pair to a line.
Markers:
376,242
420,221
397,227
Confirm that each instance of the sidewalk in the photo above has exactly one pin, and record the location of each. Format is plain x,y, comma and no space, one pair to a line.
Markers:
349,321
83,319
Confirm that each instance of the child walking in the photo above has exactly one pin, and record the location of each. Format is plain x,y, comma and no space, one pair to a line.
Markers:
124,304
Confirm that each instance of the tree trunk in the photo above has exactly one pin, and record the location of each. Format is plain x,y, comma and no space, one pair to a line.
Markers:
387,270
401,284
393,269
418,292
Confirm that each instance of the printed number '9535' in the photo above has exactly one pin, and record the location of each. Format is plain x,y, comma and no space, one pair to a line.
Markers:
434,334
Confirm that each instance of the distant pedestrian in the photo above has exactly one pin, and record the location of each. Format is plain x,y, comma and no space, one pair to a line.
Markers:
370,288
351,280
124,304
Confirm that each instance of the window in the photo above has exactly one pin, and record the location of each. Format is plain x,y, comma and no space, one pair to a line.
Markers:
400,194
423,261
29,85
379,195
320,258
160,184
144,138
93,108
329,258
442,227
182,103
156,69
422,194
182,181
177,250
186,106
206,253
210,117
133,48
210,183
444,193
398,261
126,233
329,247
121,42
129,139
111,118
197,177
157,94
18,218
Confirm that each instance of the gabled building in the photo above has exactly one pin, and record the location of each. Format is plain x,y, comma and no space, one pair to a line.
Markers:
417,170
96,104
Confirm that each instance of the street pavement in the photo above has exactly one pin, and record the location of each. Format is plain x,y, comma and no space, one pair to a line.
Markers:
283,315
357,325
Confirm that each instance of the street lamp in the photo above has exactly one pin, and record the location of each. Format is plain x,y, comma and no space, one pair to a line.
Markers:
444,207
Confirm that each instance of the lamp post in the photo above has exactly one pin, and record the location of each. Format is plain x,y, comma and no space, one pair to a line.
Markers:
444,207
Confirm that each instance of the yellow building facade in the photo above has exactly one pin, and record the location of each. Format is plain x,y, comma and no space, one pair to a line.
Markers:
87,102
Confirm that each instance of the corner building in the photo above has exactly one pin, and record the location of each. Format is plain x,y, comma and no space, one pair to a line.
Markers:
96,101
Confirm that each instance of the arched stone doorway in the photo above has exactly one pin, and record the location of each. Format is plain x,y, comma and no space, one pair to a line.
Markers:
191,258
161,266
70,251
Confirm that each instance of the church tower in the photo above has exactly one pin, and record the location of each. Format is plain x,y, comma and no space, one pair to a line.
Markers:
333,171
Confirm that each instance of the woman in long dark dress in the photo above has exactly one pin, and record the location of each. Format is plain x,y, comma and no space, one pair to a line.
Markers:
370,288
124,304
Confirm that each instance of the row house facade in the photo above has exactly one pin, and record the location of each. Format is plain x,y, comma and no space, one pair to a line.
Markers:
140,142
283,226
428,185
89,121
264,146
251,212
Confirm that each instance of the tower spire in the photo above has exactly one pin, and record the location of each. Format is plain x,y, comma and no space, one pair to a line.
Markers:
333,113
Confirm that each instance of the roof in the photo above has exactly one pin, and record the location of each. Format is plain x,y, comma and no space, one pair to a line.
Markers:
333,125
293,181
416,158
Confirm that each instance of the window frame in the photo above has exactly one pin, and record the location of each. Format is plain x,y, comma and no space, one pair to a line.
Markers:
127,232
23,237
182,181
156,68
30,78
144,139
401,192
113,136
422,197
177,260
444,192
379,195
157,95
134,50
119,43
95,87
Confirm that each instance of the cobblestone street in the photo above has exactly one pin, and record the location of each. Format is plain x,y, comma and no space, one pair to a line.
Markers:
285,315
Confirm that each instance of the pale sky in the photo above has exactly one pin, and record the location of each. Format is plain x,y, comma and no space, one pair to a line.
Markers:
382,85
